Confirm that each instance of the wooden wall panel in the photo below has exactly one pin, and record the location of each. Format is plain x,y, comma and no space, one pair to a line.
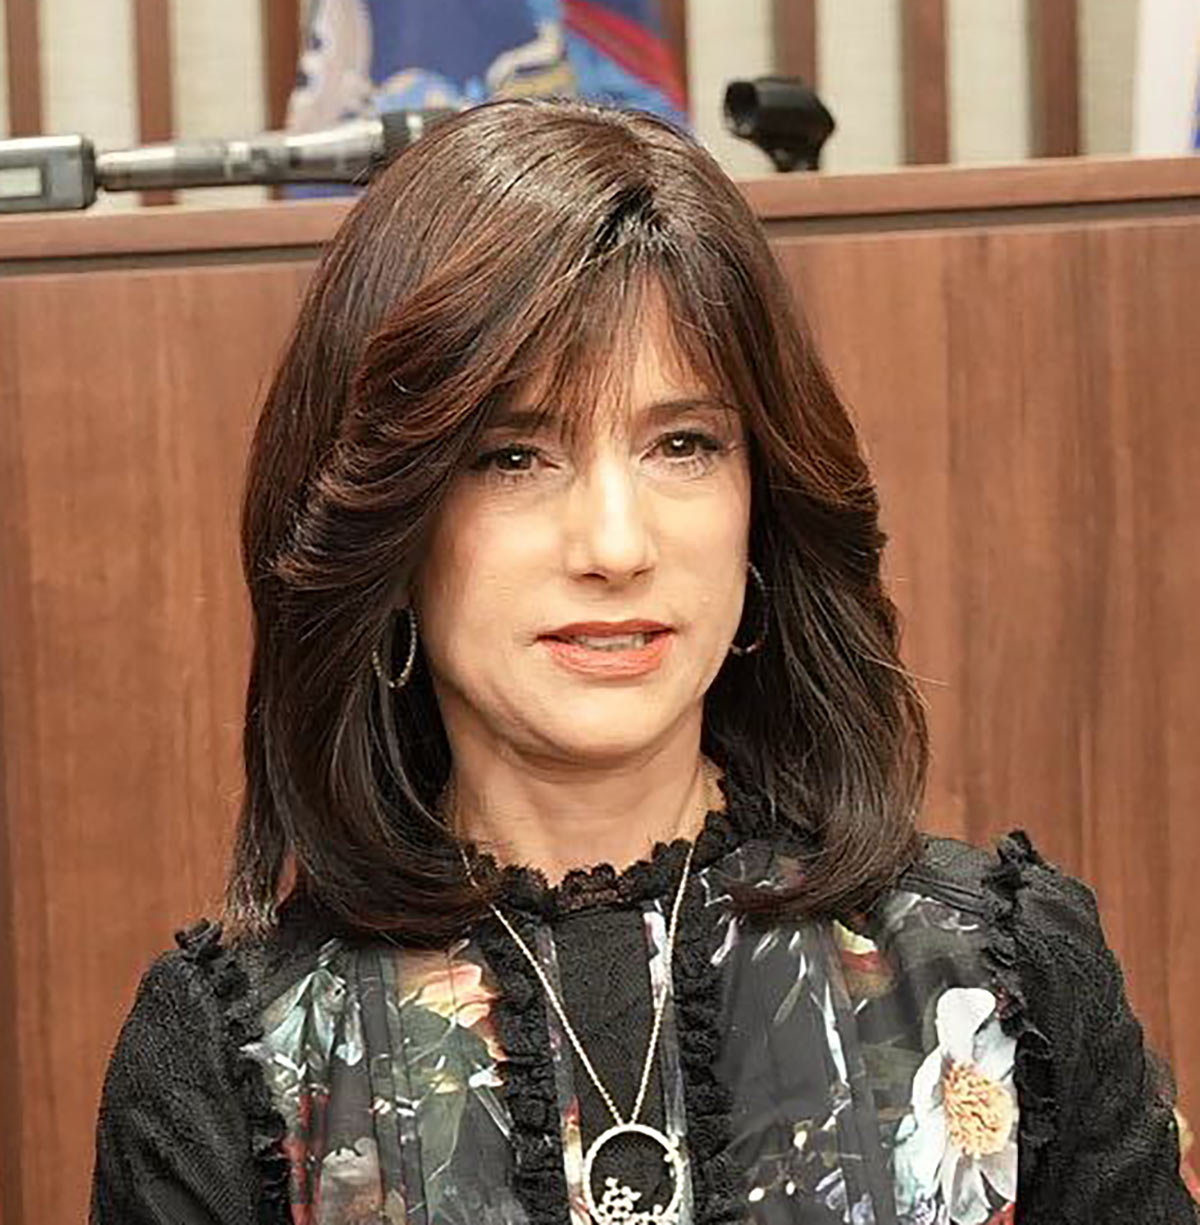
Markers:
1029,405
122,661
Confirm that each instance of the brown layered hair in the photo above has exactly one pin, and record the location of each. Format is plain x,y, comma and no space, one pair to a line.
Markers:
511,242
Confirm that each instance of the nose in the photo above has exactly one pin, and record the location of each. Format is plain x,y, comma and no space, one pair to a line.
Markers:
607,524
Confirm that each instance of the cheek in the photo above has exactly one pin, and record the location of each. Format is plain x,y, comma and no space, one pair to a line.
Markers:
715,564
712,533
471,585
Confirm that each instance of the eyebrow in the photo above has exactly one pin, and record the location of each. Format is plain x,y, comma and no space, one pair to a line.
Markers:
661,412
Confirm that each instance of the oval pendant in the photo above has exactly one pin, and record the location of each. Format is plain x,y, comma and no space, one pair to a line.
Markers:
618,1203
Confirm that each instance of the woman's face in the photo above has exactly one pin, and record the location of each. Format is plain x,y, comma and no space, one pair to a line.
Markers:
646,518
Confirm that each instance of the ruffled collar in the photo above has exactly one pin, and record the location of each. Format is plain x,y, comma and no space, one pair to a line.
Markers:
745,816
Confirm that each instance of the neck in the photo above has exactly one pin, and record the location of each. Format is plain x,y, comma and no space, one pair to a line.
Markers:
555,820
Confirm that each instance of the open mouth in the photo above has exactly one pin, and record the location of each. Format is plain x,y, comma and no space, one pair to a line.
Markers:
611,642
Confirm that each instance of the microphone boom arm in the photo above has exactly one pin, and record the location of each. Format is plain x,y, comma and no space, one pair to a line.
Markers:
55,173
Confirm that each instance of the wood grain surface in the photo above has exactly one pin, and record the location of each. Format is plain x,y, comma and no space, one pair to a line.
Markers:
1027,394
1029,401
929,196
921,197
128,401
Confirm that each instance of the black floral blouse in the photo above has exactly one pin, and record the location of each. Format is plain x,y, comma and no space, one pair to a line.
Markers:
963,1055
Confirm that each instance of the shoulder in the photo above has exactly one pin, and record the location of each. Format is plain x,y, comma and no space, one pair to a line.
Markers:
195,1006
1050,965
175,1039
1044,938
181,1003
1011,883
205,986
222,979
185,1114
969,865
202,999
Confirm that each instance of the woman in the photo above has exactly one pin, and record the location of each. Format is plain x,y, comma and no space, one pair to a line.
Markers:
577,877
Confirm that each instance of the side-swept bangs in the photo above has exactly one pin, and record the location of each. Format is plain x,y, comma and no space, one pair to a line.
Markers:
516,247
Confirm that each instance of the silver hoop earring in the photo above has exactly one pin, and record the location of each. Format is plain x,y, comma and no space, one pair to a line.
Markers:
406,672
764,620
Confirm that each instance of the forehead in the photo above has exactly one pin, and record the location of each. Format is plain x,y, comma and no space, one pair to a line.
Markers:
607,376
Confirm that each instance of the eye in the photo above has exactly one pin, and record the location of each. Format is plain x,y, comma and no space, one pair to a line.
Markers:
689,450
685,452
506,463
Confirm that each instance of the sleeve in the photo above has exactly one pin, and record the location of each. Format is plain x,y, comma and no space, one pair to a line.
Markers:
174,1142
1100,1140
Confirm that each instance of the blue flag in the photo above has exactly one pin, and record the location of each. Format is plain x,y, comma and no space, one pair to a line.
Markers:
367,56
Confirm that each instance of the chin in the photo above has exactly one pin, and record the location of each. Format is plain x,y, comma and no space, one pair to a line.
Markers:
598,734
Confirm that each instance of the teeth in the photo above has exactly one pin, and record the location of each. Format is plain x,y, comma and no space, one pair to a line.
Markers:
612,642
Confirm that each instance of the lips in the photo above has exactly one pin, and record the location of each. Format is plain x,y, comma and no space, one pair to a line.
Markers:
603,629
609,656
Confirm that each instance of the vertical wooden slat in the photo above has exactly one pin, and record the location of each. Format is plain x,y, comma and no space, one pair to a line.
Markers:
1054,77
156,108
794,26
24,67
674,27
281,54
926,113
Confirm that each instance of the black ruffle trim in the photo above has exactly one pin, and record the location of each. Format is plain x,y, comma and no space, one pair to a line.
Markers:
539,1178
708,1101
230,985
526,889
520,1014
1033,1068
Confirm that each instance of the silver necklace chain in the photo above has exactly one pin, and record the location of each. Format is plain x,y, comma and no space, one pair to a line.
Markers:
661,1006
659,1010
617,1204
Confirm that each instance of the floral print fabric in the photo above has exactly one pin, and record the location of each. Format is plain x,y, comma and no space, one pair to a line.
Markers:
869,1079
960,1139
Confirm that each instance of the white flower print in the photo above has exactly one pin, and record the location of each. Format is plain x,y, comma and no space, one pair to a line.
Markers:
961,1137
352,1167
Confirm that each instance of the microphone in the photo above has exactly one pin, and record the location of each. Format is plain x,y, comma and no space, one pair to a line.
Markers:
52,173
782,116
